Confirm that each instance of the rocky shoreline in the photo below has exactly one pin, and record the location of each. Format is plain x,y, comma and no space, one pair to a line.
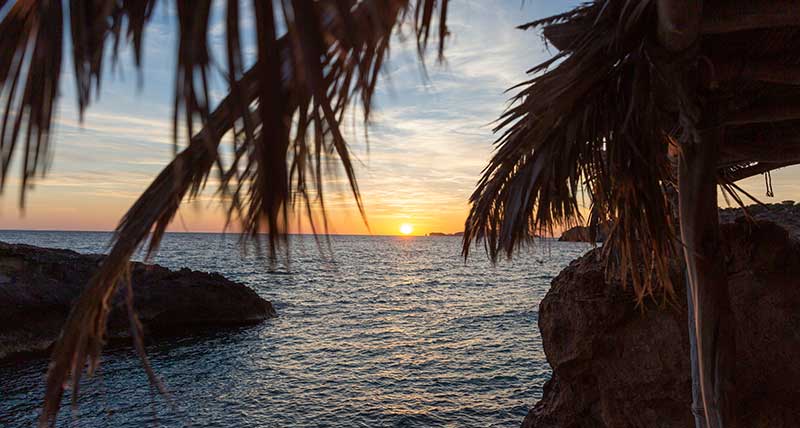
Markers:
615,365
39,285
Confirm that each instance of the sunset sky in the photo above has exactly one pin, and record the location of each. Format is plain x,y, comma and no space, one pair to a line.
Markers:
429,141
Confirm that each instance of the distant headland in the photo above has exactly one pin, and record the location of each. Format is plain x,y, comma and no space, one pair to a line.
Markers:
446,234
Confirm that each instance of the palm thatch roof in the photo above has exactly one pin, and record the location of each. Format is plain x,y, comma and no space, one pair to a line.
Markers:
649,106
603,112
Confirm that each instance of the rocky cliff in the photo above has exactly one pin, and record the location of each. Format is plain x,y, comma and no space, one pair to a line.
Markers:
616,366
39,285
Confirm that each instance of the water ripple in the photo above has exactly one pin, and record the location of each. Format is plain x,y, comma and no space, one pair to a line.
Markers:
395,332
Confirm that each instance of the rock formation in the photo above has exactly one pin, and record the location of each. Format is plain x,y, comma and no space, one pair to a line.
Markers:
582,234
446,234
39,285
575,234
615,365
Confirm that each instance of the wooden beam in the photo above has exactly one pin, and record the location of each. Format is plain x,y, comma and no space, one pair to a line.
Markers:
681,21
678,23
714,343
753,170
727,69
765,112
738,15
771,147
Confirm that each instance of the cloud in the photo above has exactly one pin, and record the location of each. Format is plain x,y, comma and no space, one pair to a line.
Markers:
430,136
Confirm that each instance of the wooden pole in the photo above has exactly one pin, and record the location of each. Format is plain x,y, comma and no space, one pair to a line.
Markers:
708,286
697,400
711,339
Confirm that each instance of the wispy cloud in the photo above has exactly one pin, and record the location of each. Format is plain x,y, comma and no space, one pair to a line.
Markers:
430,137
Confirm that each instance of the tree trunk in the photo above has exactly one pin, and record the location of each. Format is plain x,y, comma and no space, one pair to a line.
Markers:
707,280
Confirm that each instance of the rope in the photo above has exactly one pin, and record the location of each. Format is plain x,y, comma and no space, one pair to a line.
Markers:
768,183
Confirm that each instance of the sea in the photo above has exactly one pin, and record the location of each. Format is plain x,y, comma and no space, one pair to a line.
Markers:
372,331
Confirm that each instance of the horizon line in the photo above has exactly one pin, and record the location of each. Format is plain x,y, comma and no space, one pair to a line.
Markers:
233,233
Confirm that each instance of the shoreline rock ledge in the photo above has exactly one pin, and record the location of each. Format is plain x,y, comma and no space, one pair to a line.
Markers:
39,285
616,366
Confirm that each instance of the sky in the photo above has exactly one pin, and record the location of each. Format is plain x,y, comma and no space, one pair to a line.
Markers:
430,137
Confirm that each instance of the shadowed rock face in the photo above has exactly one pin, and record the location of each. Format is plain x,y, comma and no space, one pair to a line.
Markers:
38,287
615,366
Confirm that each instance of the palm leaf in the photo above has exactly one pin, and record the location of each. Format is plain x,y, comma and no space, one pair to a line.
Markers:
588,121
284,112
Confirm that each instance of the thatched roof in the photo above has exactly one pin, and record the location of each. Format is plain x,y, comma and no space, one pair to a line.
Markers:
649,106
603,111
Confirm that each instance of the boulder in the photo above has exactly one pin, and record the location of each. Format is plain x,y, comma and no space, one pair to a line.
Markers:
616,365
39,285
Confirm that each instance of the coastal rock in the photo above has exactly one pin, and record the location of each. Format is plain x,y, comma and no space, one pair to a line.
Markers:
446,234
582,234
39,285
575,234
615,365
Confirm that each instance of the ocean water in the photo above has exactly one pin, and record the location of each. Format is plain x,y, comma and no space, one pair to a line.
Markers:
373,332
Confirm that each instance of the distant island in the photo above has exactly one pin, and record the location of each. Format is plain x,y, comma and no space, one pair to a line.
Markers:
446,234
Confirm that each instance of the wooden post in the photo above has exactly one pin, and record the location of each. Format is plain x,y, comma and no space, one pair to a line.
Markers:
711,333
697,400
707,279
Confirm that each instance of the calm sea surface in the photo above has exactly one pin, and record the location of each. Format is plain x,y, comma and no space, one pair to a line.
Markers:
386,331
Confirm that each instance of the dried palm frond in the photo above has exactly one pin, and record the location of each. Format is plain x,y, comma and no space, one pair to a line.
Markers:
630,78
30,68
285,113
589,120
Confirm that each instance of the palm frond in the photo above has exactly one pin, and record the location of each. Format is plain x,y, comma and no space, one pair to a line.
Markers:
30,70
592,123
285,113
567,16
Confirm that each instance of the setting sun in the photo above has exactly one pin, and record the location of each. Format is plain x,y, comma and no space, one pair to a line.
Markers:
406,229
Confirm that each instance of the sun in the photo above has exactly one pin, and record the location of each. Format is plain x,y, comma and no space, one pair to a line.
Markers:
406,229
